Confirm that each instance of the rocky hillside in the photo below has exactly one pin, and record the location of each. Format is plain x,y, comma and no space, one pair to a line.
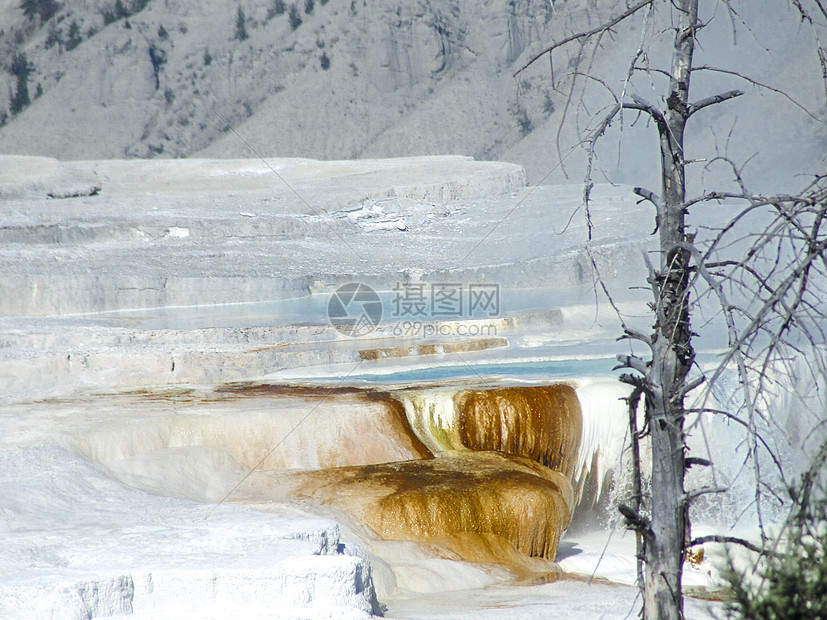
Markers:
335,79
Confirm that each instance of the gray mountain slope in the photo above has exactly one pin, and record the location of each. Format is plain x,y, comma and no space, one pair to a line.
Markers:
380,78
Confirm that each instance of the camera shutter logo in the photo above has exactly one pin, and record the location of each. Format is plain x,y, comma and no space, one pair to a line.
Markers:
354,309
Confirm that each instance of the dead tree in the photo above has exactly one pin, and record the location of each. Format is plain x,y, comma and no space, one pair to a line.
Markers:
756,335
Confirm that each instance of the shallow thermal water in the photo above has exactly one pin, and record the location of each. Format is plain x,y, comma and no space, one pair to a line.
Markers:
519,371
313,309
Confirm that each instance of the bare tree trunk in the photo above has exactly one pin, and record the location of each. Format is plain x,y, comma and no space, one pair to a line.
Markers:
672,352
662,524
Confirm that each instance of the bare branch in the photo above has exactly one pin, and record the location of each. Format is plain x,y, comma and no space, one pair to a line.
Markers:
715,538
691,461
692,384
648,195
644,106
822,54
633,362
778,91
633,401
635,520
794,276
821,6
704,491
699,105
752,431
632,334
586,34
654,70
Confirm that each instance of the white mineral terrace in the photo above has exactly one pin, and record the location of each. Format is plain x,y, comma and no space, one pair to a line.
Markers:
185,434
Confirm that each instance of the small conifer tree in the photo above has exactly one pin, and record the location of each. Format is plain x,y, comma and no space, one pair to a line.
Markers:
43,9
295,17
792,583
278,7
74,36
240,25
21,69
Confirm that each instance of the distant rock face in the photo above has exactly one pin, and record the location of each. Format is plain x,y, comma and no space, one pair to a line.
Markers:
172,78
365,78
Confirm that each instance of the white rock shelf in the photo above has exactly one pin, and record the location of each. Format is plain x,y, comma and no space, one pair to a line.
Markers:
99,289
77,544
